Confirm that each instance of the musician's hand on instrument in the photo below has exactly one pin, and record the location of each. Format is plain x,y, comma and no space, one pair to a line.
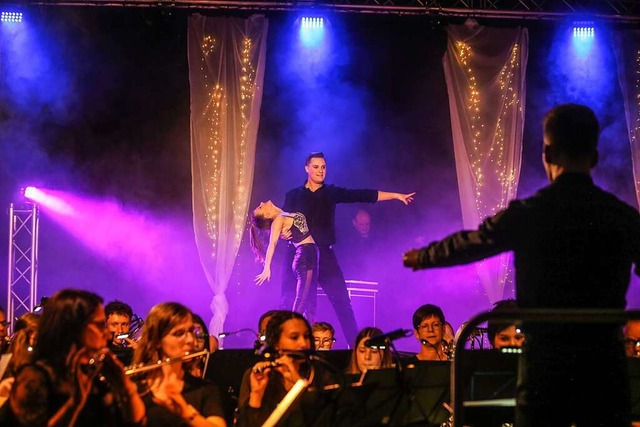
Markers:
77,361
5,387
258,379
263,277
131,343
167,392
288,369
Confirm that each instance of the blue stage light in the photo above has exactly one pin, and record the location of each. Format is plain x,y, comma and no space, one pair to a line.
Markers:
584,30
312,31
11,17
312,22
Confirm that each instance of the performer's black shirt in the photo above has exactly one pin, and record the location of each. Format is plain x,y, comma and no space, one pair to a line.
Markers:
319,207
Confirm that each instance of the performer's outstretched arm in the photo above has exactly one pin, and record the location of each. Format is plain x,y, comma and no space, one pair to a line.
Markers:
404,198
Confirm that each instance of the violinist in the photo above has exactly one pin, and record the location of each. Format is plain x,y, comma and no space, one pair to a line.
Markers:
74,380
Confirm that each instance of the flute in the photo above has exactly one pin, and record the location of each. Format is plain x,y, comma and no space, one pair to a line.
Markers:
136,369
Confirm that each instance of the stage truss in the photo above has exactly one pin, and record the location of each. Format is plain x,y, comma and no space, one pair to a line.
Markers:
23,260
610,10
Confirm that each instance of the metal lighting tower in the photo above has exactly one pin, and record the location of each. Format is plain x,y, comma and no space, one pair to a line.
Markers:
23,260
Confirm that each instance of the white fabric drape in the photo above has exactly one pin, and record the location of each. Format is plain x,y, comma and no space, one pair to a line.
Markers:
627,49
226,73
485,73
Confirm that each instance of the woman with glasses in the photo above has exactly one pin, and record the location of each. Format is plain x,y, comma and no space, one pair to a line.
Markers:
172,396
429,330
73,380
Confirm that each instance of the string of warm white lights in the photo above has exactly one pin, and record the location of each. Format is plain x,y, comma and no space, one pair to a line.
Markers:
490,164
490,122
213,116
246,98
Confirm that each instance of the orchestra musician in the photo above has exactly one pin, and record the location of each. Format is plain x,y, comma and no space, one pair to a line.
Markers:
73,380
173,397
266,383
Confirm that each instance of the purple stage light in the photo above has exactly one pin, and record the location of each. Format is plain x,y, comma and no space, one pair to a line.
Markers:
48,200
30,192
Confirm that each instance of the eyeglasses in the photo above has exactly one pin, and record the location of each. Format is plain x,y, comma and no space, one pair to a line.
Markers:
182,333
323,342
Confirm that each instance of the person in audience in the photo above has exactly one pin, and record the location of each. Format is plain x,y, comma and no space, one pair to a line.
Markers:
288,336
365,358
172,396
21,351
305,264
504,333
323,335
428,328
73,380
4,329
632,337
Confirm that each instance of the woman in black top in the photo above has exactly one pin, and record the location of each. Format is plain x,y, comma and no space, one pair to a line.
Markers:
305,263
172,396
289,339
74,380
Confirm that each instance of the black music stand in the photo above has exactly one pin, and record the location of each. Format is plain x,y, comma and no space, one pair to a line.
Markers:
489,398
225,369
633,364
412,396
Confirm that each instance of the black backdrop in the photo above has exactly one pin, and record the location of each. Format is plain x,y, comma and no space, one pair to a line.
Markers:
97,103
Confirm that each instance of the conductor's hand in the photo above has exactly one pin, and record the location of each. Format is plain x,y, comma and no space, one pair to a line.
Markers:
406,198
411,259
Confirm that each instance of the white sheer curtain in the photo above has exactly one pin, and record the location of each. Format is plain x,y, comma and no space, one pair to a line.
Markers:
226,73
485,73
627,49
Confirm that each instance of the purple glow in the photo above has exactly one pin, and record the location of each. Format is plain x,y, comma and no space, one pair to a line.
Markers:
48,200
136,243
30,192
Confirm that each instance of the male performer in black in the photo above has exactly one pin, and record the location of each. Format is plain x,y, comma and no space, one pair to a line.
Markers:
574,246
317,201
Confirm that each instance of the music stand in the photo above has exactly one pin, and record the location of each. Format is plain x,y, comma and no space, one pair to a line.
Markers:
633,364
489,398
225,369
414,396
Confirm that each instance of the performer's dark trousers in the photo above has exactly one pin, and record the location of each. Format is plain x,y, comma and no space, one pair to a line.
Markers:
331,279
